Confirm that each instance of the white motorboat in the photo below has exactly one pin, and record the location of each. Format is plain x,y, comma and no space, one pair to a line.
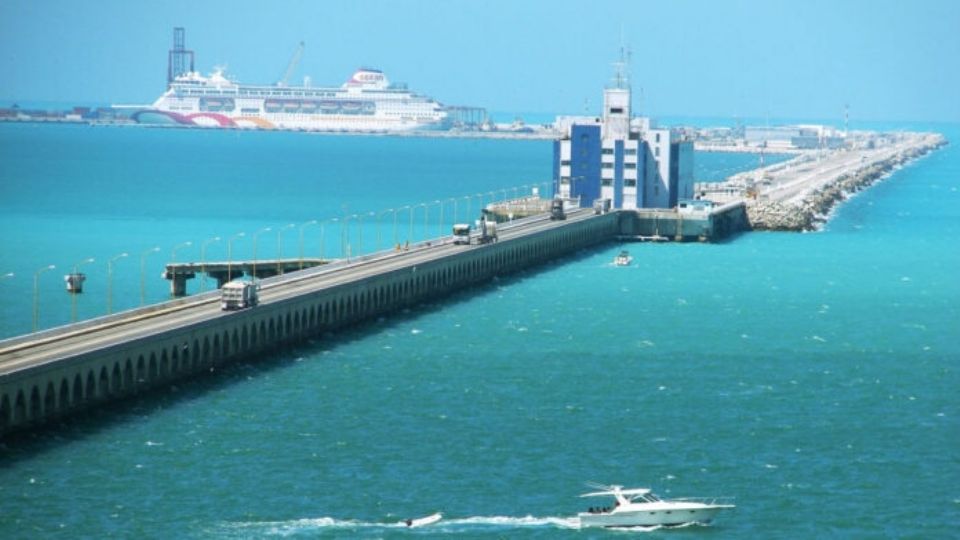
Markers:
420,522
623,258
641,508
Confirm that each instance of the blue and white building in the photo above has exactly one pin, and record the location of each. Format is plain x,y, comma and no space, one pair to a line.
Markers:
621,158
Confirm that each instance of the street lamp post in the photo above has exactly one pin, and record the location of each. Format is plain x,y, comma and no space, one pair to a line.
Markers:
425,218
230,254
454,199
280,247
203,261
302,226
173,262
479,197
360,231
255,235
440,226
323,223
36,295
73,295
410,229
143,273
345,237
110,281
469,198
379,232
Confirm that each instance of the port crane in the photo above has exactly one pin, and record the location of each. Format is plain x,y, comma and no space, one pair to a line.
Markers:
294,60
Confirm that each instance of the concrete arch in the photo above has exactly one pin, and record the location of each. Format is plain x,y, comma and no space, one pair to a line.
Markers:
116,379
6,412
152,369
36,410
50,400
103,386
215,354
271,330
128,375
141,370
205,357
164,365
263,331
20,408
234,341
244,339
175,359
91,393
63,402
77,389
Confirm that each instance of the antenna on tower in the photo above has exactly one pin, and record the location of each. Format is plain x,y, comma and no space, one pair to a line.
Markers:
621,75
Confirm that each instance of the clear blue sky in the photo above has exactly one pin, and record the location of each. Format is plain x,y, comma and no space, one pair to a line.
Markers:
889,59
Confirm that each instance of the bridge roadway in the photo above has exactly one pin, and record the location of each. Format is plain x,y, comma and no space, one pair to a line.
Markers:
37,350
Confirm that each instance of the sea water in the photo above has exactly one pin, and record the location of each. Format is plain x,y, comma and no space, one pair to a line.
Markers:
812,377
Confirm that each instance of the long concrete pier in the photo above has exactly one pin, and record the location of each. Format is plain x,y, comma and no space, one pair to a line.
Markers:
55,373
796,195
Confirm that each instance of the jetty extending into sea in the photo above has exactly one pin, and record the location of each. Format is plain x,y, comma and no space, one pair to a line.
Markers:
48,375
798,194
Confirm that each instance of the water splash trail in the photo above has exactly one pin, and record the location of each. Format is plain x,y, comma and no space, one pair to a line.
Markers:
475,524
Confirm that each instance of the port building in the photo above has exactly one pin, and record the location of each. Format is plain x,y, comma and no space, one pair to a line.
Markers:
621,158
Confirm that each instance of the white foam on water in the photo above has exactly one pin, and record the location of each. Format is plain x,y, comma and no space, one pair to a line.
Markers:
513,522
445,526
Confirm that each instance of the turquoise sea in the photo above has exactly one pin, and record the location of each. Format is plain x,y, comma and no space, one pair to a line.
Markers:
813,377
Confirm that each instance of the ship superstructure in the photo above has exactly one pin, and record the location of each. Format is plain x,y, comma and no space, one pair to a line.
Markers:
367,102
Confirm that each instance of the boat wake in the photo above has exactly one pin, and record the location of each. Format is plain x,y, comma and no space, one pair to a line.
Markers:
296,527
476,524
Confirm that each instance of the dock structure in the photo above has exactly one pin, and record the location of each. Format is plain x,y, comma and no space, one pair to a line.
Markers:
795,195
58,372
224,271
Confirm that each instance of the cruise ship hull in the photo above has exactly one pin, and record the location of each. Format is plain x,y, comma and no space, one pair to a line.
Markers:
367,102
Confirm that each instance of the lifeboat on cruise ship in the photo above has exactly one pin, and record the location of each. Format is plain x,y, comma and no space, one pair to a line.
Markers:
330,107
272,106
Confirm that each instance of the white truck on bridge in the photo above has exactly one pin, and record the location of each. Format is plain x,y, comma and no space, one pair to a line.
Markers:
238,295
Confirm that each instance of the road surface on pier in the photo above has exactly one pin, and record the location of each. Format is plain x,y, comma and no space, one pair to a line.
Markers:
792,183
78,339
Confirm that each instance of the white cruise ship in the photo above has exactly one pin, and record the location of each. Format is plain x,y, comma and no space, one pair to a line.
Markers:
367,102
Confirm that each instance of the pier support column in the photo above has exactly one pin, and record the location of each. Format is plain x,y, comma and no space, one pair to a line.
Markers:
178,282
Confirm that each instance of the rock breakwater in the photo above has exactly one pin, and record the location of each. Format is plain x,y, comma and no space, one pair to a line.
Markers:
812,210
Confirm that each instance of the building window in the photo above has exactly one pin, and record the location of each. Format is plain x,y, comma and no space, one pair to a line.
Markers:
606,182
656,151
564,180
616,110
564,162
629,165
606,165
629,182
607,151
658,137
630,152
